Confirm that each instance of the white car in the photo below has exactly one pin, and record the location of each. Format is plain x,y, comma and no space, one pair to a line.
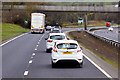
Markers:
110,29
57,27
53,37
67,50
48,28
55,31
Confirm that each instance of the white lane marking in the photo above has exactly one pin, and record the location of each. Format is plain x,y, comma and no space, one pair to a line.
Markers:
30,61
38,42
35,48
33,54
26,73
37,45
32,57
98,67
13,39
41,37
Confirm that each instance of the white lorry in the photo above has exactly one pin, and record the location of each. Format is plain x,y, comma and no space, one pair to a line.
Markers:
37,23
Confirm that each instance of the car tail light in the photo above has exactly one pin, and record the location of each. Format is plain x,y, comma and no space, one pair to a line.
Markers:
41,30
79,50
54,59
31,29
55,49
79,59
49,40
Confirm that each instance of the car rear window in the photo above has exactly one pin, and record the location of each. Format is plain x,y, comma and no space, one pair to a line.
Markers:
57,37
67,46
56,26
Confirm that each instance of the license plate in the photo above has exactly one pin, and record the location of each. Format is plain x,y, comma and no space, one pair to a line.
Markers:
37,30
67,52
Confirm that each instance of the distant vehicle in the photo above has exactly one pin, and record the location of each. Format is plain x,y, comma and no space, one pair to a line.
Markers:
48,28
67,50
37,22
80,20
108,25
110,29
57,27
55,31
52,38
116,5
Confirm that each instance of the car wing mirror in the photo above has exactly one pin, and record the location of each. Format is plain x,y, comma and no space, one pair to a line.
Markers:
68,39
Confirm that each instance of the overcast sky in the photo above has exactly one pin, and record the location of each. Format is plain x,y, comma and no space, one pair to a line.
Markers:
59,0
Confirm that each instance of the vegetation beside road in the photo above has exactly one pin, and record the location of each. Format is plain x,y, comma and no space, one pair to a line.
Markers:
100,48
11,30
91,23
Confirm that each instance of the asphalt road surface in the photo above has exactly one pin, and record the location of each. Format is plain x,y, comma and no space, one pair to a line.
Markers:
112,35
25,57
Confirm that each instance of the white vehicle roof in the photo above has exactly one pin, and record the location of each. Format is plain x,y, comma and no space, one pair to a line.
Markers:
57,34
66,41
38,14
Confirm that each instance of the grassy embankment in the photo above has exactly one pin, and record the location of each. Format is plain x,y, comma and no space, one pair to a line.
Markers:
11,30
100,48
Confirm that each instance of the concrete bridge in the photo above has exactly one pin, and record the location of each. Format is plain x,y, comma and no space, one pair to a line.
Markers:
93,9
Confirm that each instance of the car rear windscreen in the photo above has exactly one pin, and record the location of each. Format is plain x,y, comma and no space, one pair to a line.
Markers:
56,31
56,26
67,46
57,37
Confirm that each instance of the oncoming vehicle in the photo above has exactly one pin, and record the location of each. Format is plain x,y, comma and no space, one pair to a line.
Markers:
67,50
52,38
110,29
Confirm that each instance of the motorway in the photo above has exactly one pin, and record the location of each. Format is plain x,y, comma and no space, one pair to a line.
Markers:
25,57
111,35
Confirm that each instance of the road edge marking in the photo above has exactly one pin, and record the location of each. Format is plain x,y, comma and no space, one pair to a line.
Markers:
13,39
104,72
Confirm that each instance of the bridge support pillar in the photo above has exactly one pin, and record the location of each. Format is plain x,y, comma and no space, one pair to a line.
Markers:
85,22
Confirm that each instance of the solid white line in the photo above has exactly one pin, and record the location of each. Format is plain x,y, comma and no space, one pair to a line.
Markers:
26,73
33,54
30,61
98,67
13,39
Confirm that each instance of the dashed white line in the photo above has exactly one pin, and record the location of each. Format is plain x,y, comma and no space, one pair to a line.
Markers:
30,61
37,45
31,57
26,73
38,42
35,48
33,54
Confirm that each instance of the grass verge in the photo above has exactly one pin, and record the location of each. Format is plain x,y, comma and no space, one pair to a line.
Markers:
100,48
11,30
